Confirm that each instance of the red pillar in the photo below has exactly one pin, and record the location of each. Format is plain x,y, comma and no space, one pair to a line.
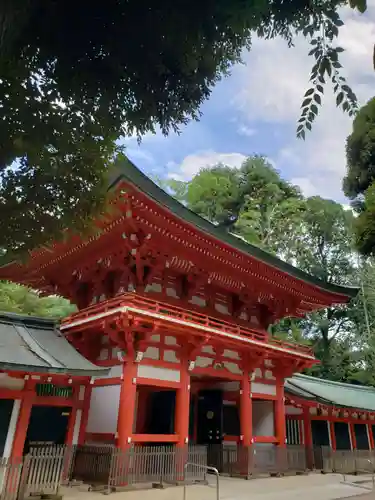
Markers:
246,411
280,424
332,434
370,436
72,418
308,441
23,420
352,436
183,407
85,414
307,434
127,404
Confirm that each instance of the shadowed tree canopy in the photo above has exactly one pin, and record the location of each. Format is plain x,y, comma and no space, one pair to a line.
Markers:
76,75
359,183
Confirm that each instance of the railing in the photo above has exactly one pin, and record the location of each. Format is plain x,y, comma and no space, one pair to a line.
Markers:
132,300
10,476
92,463
39,472
42,470
205,468
156,464
347,461
257,459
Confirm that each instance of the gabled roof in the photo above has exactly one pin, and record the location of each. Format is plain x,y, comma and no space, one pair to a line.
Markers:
358,397
36,345
128,172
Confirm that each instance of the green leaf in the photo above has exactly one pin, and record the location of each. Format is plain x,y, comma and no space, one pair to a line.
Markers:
306,102
317,98
309,92
339,98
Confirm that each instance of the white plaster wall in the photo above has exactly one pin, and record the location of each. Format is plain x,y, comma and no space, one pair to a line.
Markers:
203,362
259,388
198,301
221,308
104,407
7,382
230,386
157,373
12,428
232,367
170,340
152,353
263,418
170,356
81,395
292,410
77,425
231,354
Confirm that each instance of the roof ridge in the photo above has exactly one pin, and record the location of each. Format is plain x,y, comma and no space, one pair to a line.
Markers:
361,387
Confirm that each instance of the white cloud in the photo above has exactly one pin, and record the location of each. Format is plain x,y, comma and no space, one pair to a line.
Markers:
270,88
246,131
191,164
307,187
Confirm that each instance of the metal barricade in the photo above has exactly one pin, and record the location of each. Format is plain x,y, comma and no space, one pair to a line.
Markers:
208,469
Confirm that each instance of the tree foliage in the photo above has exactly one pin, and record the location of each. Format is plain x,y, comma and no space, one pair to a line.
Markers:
312,233
359,183
19,299
75,76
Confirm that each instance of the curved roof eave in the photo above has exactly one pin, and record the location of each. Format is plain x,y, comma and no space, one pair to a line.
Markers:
127,171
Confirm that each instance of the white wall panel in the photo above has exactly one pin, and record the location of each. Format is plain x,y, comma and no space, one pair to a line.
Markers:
259,388
263,418
157,373
104,409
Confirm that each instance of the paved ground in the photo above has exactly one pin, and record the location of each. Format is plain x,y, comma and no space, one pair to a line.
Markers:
311,487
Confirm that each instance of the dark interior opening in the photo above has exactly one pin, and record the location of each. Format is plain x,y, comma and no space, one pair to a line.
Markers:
231,421
48,425
210,417
342,436
320,434
161,412
6,407
361,437
192,414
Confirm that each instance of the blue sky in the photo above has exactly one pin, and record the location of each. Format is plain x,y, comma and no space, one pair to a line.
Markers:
255,110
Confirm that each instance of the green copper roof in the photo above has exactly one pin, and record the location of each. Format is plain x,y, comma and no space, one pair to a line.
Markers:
358,397
36,345
127,171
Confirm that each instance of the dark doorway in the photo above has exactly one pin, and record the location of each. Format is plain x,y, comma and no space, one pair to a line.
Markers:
6,407
342,436
320,434
192,414
361,437
231,421
210,417
320,437
161,410
210,425
48,425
